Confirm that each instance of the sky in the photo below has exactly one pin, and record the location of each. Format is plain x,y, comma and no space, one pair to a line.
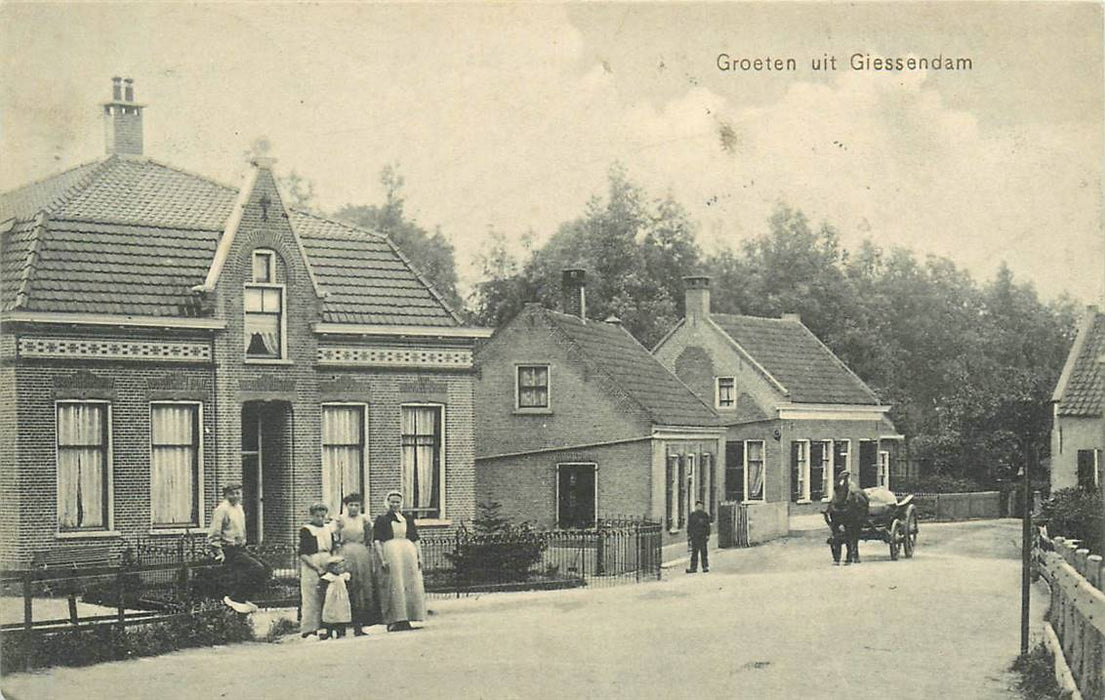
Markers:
510,116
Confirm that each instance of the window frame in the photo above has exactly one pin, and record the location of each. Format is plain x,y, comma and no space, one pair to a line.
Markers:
763,467
282,356
518,407
803,470
108,528
363,405
828,467
442,455
197,429
732,405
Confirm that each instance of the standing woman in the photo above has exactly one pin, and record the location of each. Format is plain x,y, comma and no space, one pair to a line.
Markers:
353,533
402,597
315,543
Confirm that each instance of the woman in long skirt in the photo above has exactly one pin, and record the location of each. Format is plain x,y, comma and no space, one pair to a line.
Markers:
353,533
395,537
315,543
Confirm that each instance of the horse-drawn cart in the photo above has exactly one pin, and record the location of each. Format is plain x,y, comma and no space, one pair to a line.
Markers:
886,519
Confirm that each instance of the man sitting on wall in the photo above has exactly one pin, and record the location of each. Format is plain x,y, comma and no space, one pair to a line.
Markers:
698,531
227,540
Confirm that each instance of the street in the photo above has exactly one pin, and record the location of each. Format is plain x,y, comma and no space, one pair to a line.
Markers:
775,621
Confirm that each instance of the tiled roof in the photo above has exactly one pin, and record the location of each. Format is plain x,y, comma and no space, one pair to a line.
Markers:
1082,395
612,350
132,236
367,281
794,356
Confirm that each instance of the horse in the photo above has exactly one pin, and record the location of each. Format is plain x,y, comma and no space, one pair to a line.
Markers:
846,514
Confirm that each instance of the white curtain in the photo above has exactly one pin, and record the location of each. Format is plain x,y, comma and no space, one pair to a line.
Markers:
755,471
82,457
342,453
173,464
421,445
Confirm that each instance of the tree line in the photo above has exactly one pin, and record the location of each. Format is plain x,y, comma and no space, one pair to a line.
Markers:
968,367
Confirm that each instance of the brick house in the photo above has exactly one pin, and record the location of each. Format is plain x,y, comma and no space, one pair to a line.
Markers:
164,335
1076,429
795,414
576,420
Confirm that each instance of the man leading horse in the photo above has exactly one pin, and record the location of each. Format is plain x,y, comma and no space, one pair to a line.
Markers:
846,514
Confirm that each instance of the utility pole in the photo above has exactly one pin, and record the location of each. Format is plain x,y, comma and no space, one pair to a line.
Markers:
1026,544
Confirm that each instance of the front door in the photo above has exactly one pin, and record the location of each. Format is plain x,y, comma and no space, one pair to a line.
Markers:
868,463
575,495
252,479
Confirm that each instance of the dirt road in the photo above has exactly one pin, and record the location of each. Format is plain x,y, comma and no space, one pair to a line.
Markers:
776,621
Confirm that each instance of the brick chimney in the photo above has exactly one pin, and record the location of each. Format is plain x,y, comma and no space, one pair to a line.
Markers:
123,120
573,290
696,300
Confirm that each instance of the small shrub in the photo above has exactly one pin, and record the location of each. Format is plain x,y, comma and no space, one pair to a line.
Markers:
495,550
280,627
1075,514
1036,671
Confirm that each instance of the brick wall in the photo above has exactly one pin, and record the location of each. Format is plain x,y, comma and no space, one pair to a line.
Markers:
526,485
9,452
582,410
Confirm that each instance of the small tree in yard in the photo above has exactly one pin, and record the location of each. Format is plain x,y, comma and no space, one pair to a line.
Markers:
493,549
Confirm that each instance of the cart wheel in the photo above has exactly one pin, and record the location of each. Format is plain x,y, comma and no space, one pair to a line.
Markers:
897,534
910,542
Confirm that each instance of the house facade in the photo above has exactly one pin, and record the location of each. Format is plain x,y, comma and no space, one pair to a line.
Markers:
1077,431
576,421
164,335
794,413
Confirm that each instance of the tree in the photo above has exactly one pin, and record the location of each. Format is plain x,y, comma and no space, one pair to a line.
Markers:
431,253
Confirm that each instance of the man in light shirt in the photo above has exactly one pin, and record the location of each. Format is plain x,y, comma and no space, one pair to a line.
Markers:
227,540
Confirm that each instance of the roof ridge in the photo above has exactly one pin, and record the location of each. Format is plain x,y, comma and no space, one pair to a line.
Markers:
96,167
30,264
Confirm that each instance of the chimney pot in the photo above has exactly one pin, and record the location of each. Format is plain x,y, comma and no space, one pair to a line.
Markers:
573,289
116,88
696,300
129,90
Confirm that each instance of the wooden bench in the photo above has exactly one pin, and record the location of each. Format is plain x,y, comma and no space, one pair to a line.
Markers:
72,559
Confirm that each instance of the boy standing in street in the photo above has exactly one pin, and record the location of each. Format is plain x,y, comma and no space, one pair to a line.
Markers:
227,540
698,531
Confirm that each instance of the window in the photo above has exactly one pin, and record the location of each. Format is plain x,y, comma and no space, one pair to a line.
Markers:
343,453
422,459
174,464
841,458
754,469
821,469
84,465
532,386
800,470
884,469
576,491
1088,469
726,392
734,471
264,309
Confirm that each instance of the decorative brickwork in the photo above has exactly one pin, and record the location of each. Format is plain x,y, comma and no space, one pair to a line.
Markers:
83,348
395,357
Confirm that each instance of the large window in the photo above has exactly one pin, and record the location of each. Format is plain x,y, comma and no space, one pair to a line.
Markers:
343,453
422,459
84,465
174,464
726,392
1088,469
800,470
532,387
264,309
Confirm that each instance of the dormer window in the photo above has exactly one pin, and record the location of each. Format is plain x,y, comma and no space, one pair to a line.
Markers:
725,393
264,309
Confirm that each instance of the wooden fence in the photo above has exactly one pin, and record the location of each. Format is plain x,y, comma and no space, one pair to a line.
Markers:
959,506
1076,619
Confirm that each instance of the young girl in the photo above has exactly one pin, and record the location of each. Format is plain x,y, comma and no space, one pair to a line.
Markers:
336,613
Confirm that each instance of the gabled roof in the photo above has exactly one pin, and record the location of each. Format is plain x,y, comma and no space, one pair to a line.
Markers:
1079,391
610,349
128,235
795,359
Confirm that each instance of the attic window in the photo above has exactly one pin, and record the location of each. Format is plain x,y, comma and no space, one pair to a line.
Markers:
726,392
264,310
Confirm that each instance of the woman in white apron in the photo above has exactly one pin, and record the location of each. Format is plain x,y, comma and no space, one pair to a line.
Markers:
395,539
315,543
